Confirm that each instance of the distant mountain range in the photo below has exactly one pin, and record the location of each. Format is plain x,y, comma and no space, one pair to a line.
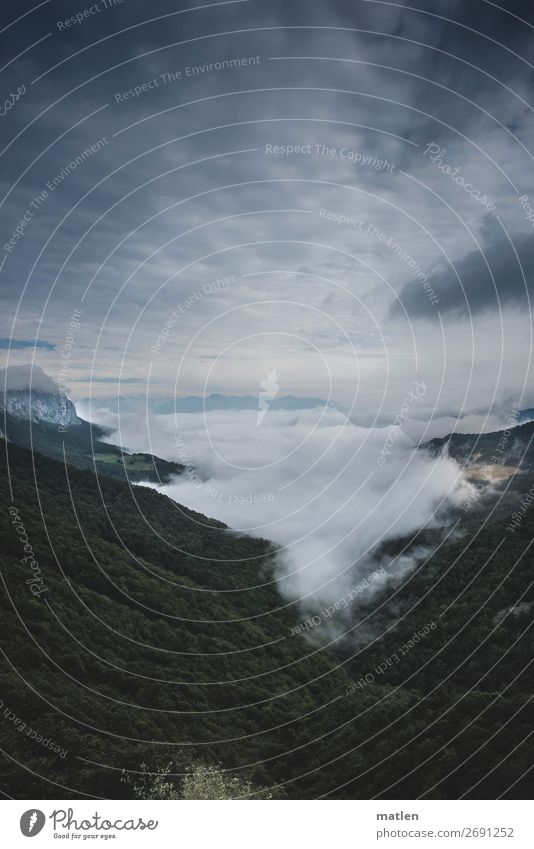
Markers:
200,404
47,421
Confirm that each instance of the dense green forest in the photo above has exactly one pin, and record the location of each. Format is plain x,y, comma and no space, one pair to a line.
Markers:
82,446
137,632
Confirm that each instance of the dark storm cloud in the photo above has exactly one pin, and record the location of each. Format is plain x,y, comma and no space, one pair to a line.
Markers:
118,216
498,275
447,61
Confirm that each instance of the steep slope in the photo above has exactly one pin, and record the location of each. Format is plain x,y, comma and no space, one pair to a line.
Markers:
145,630
82,447
507,447
38,406
149,634
499,464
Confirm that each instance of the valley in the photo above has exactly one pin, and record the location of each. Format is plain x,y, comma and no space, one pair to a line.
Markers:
162,638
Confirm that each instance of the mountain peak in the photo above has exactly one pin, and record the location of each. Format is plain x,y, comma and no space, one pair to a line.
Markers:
37,405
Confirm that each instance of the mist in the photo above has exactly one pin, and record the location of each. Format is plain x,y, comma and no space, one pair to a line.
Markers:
311,482
27,377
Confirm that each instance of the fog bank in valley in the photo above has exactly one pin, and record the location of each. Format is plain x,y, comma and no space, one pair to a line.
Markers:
310,481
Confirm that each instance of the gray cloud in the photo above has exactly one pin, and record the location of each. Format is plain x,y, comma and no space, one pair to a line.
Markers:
27,377
499,275
184,180
310,481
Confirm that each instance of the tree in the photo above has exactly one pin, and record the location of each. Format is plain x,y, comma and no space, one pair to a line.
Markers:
202,781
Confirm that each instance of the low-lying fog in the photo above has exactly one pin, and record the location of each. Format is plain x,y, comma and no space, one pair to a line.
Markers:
326,491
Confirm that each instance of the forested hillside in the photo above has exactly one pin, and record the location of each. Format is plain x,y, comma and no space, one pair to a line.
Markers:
152,635
82,446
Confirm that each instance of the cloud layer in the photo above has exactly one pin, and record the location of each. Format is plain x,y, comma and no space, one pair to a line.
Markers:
497,275
129,206
27,377
311,482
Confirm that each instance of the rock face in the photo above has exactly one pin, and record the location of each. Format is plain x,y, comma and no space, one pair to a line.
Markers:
37,406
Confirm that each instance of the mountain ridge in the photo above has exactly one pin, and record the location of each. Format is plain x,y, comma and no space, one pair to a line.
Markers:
199,404
36,421
37,405
181,647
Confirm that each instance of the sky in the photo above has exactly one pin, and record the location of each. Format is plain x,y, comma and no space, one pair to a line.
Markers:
195,196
